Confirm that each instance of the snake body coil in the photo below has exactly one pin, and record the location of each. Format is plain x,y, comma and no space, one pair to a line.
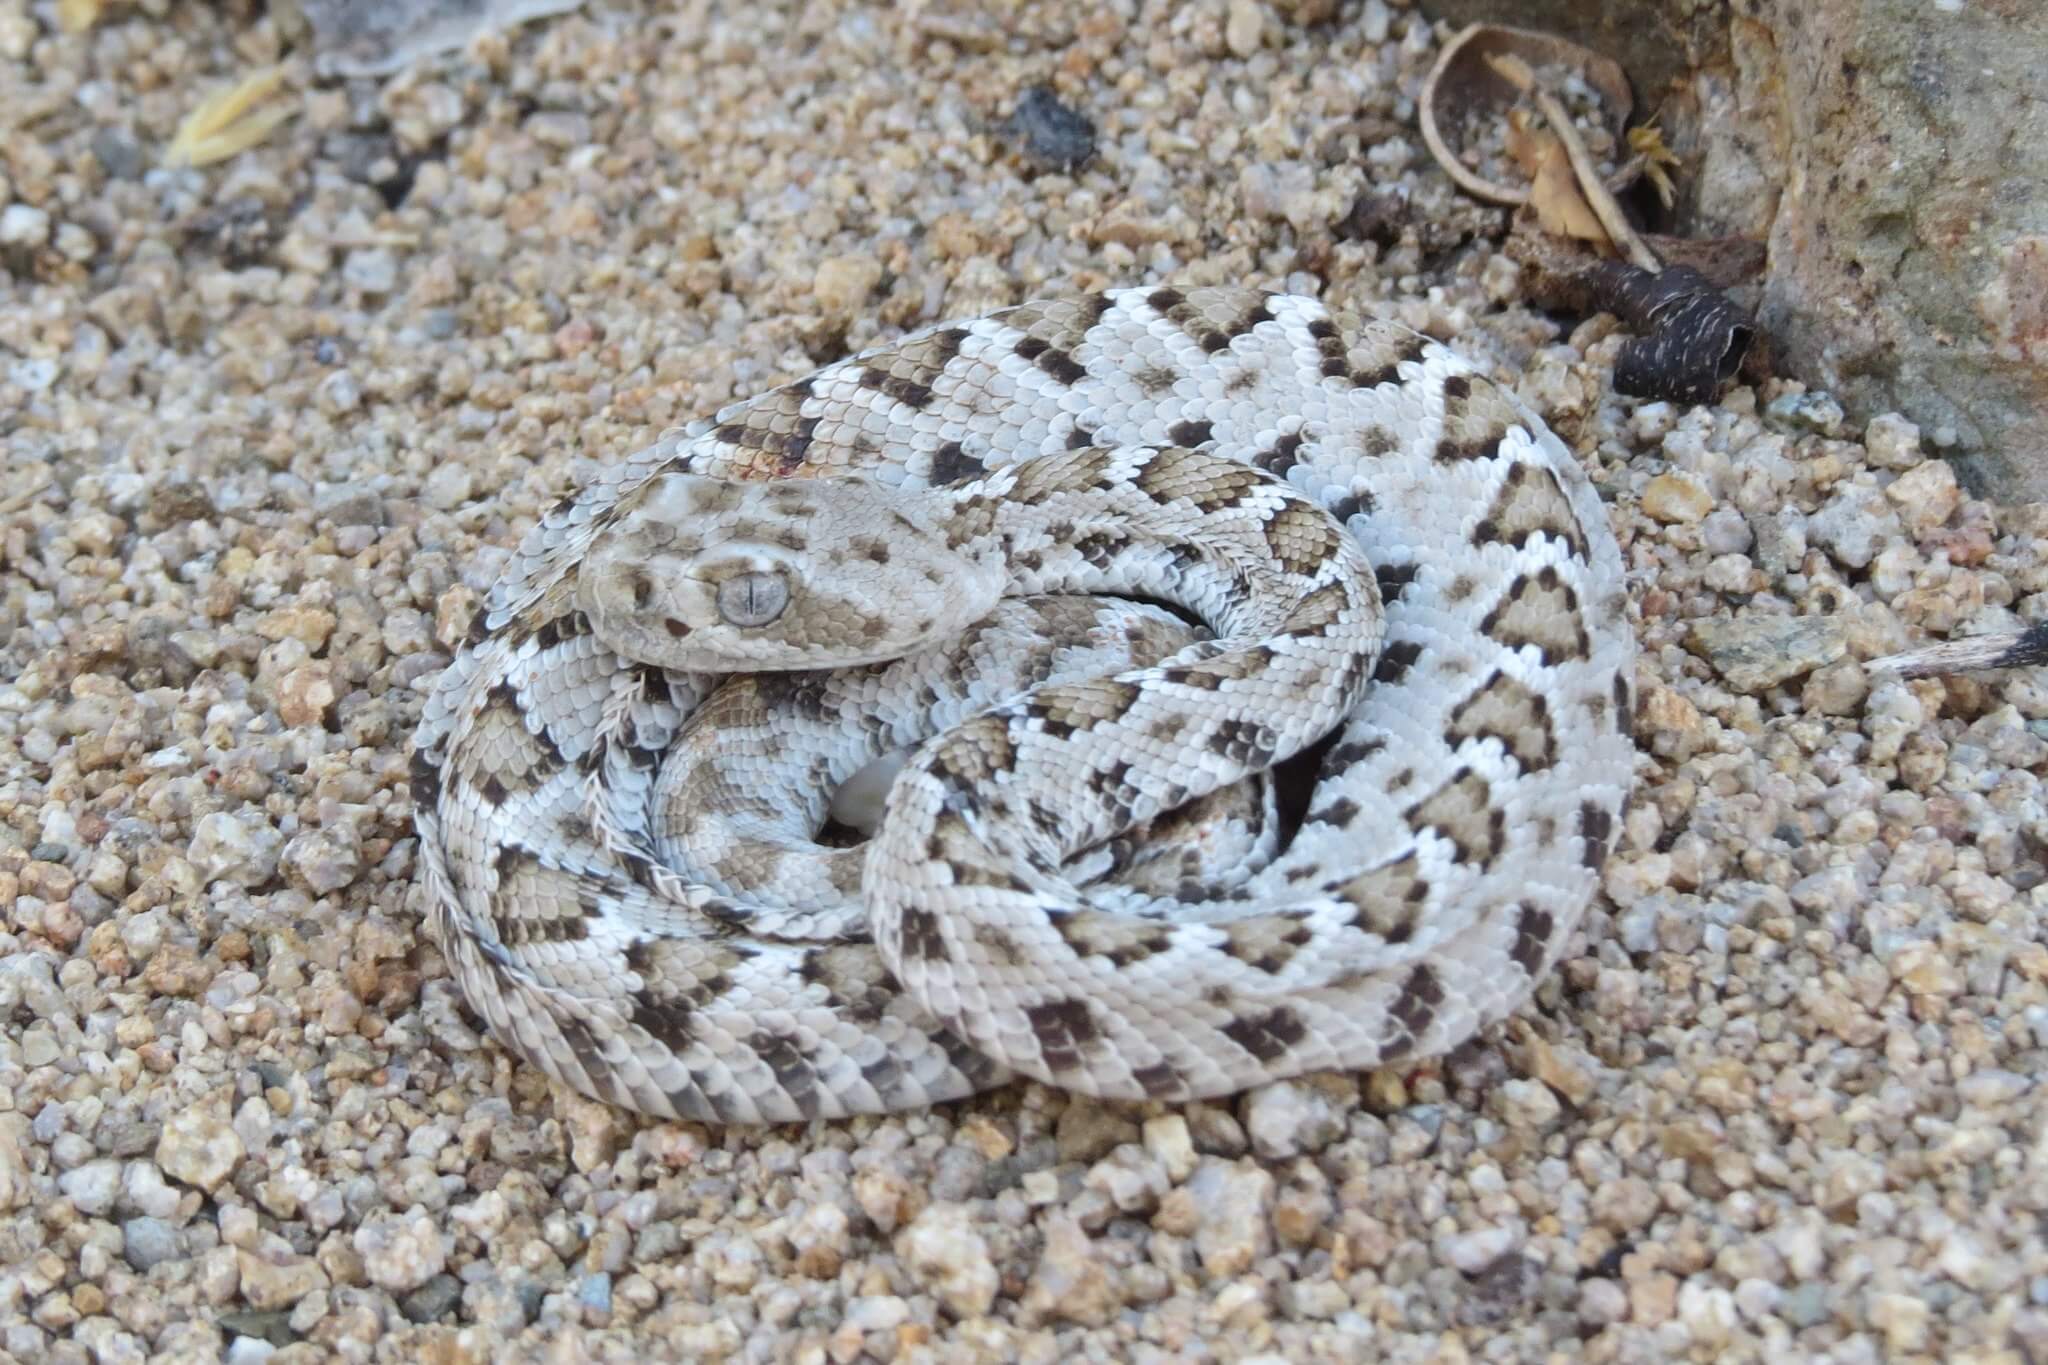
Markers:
1072,880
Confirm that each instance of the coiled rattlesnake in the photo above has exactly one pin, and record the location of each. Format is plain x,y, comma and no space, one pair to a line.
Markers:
1200,448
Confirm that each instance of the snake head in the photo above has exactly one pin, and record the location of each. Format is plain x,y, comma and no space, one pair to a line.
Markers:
701,574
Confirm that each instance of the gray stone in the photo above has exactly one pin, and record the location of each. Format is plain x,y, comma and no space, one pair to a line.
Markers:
1049,132
377,37
432,1300
148,1241
1235,1202
350,505
1754,653
23,225
944,1253
372,270
119,154
1854,525
92,1187
1288,1118
1805,1305
401,1252
243,851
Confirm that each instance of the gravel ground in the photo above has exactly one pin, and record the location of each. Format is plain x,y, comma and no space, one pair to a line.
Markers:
269,424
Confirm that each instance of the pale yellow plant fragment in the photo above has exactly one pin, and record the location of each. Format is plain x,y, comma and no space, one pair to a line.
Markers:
224,124
76,16
1647,142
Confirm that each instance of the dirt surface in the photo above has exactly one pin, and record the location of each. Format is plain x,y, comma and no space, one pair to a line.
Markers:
268,426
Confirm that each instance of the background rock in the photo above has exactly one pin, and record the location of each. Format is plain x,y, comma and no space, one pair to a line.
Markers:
1892,153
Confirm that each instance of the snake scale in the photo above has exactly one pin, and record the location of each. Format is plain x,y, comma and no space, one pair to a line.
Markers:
1339,543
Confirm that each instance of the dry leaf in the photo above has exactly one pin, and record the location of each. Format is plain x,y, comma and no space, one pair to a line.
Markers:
1560,208
1553,190
224,124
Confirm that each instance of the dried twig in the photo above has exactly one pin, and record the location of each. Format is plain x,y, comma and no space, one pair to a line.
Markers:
2012,649
230,120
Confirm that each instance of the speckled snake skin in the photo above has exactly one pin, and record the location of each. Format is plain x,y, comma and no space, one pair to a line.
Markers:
616,839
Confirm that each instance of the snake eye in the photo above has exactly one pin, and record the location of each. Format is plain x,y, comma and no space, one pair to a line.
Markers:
752,599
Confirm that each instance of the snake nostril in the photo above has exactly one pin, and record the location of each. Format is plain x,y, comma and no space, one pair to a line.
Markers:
676,629
643,591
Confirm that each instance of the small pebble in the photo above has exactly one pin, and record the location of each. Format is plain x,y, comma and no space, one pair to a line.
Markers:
1288,1118
401,1252
843,283
199,1146
146,1242
1926,495
1677,498
1853,525
1049,132
1244,25
91,1188
942,1250
1071,1283
1892,442
433,1300
1811,410
34,374
22,225
374,272
277,1278
1234,1199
